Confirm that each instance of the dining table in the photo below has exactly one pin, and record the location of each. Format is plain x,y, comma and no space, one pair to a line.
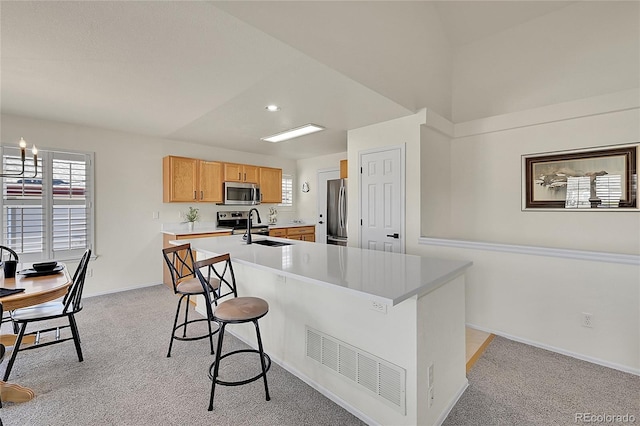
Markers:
37,289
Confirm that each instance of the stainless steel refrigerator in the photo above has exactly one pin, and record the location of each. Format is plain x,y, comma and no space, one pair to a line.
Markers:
337,212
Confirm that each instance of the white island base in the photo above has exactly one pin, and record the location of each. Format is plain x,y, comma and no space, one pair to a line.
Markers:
372,358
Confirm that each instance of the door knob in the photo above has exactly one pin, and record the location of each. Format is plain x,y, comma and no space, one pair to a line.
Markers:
396,235
321,222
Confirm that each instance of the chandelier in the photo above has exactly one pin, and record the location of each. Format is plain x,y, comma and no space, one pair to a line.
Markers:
23,155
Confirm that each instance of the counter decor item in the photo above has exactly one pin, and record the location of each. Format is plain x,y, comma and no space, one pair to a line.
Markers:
598,178
273,215
191,216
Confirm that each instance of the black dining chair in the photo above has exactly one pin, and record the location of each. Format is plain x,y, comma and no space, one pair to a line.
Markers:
7,253
67,307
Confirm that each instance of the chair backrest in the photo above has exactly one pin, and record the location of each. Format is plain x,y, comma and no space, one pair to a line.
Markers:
219,268
73,299
179,260
7,254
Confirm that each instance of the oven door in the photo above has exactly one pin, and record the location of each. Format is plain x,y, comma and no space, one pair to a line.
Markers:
241,193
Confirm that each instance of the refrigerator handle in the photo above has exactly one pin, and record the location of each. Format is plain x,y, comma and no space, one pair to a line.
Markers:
341,207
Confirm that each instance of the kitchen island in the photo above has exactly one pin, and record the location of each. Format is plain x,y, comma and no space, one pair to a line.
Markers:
382,334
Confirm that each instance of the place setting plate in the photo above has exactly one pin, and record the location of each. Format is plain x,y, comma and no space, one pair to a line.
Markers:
42,269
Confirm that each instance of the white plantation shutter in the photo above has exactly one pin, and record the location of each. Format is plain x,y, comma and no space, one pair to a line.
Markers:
287,191
49,216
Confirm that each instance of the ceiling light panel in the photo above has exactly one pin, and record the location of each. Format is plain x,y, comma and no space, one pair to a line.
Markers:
294,133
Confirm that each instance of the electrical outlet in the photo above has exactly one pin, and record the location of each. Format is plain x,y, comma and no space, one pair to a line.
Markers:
379,307
155,215
587,320
90,272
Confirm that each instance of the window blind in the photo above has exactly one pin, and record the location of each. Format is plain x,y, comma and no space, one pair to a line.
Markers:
49,215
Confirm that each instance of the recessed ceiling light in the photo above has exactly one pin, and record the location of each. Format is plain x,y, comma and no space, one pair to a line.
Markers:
294,133
272,108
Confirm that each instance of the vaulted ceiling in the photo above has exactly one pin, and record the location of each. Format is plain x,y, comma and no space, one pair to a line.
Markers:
204,71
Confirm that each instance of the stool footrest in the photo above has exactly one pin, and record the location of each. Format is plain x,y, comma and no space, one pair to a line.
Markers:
188,338
241,382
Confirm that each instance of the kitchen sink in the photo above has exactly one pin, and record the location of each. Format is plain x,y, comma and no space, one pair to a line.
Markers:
271,243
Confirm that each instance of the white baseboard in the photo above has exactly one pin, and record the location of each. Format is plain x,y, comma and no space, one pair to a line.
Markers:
620,367
452,403
119,290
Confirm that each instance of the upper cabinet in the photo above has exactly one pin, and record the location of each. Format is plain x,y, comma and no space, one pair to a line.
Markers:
270,184
343,169
240,173
191,180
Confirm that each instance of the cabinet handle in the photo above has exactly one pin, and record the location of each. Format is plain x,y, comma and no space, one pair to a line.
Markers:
239,176
245,177
195,195
202,195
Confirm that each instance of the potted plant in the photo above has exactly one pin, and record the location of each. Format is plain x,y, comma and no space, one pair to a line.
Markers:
191,216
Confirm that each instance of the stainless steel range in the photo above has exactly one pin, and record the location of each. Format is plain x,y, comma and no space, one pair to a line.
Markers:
237,222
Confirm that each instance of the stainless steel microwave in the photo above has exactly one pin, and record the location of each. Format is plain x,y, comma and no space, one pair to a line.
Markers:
237,193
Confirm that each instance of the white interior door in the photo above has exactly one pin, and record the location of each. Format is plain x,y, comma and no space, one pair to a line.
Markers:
321,222
382,199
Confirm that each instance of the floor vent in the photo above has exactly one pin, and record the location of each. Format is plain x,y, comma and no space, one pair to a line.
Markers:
385,380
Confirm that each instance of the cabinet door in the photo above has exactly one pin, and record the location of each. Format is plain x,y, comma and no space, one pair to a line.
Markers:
233,172
180,179
280,232
210,182
344,170
271,185
309,237
250,174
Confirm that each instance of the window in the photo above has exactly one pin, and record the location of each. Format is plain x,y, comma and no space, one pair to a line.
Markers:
50,215
287,191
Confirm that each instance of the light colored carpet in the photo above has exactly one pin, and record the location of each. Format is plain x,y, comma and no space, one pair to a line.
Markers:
517,384
126,378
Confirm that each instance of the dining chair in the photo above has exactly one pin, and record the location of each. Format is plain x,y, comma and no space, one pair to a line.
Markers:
231,310
179,260
67,306
7,253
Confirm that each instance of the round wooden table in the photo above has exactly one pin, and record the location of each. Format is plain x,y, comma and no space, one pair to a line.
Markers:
36,290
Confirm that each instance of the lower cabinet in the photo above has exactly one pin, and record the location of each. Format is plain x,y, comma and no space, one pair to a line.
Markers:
302,233
166,275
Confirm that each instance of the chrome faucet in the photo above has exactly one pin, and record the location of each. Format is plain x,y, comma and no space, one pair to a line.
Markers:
249,220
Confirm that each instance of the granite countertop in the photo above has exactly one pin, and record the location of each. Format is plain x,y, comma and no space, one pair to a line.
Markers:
385,277
290,225
211,228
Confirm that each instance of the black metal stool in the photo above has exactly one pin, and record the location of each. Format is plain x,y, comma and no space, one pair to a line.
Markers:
238,310
179,260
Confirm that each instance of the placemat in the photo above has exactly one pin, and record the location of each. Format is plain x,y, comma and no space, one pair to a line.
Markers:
9,291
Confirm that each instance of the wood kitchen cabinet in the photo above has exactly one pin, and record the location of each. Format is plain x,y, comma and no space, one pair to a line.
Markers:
270,184
191,180
302,233
241,173
344,170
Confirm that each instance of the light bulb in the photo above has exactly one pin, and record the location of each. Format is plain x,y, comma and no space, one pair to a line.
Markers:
23,143
34,150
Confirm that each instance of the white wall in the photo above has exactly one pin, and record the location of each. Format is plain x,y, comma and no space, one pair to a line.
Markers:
402,131
128,176
307,202
586,49
540,297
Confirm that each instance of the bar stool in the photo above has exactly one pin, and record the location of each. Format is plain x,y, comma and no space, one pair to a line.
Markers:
180,262
237,310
